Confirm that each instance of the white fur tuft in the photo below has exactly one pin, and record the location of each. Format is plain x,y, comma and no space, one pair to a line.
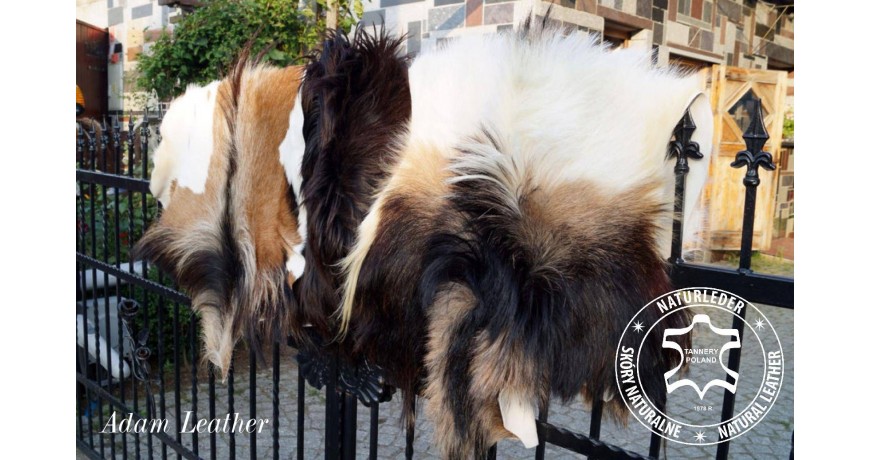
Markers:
184,154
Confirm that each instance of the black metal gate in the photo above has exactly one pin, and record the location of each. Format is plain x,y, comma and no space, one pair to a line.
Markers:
138,340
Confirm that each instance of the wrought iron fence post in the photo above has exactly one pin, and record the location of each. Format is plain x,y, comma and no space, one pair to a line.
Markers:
92,148
116,144
332,436
80,144
348,426
683,149
347,383
131,158
753,157
145,130
341,408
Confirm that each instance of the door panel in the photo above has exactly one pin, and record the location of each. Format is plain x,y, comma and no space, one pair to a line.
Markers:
725,193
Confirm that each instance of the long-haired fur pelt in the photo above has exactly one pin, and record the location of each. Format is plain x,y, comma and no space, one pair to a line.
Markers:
356,103
520,229
228,228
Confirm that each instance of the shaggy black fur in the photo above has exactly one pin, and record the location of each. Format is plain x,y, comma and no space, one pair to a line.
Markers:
356,102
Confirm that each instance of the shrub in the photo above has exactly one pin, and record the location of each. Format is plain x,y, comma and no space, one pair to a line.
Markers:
206,42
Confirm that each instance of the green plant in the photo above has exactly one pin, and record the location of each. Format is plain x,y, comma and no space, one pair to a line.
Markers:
207,41
788,128
788,124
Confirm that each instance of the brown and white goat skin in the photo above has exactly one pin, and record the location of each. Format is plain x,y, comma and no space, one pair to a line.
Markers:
228,227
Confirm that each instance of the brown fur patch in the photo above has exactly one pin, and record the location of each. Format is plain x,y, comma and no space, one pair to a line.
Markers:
265,227
227,246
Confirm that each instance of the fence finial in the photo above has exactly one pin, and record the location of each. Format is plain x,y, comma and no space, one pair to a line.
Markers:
755,137
682,146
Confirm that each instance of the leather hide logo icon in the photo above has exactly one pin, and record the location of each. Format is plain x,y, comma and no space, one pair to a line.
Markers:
731,339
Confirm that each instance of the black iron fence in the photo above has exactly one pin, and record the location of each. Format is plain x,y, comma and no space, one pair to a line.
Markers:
138,344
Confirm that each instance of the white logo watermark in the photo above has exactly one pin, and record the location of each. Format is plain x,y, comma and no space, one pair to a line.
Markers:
698,385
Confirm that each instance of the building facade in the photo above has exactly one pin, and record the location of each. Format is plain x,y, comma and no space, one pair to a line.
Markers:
132,26
749,34
694,33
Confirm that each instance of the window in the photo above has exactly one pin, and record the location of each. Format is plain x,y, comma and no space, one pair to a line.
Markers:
685,7
741,111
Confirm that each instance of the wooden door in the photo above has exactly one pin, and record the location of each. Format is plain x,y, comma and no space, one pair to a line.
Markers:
730,88
92,57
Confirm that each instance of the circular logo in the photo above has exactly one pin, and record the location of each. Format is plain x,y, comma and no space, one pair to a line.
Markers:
699,349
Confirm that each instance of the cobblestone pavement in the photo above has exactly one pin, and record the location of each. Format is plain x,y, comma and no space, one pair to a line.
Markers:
770,439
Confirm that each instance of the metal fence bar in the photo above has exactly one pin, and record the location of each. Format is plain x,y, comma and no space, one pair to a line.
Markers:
231,403
194,384
103,138
752,158
116,155
143,196
409,430
300,413
93,295
113,180
583,444
176,367
276,376
252,399
212,437
157,289
332,436
683,149
373,431
348,427
595,420
772,290
655,445
161,358
540,451
130,226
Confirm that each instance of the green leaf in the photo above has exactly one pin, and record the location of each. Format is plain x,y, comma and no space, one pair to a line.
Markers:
205,42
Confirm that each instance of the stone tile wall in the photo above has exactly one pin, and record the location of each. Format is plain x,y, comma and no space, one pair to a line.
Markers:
716,31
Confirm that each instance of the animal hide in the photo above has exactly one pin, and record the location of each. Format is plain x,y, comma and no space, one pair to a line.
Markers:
519,230
355,102
228,231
